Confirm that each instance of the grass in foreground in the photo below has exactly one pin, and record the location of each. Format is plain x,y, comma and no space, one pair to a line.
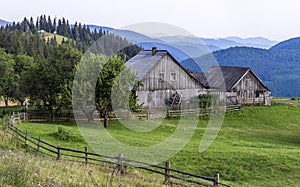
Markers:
257,146
19,167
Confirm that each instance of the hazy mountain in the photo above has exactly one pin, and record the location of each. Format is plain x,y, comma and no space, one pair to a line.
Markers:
3,22
134,37
291,44
192,43
222,43
258,42
179,50
93,27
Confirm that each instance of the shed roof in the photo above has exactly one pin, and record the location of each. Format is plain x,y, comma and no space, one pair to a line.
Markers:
218,75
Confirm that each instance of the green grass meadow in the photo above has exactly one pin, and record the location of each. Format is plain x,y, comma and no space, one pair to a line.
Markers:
257,146
59,38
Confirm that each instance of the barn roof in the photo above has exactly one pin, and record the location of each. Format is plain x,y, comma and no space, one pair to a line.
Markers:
144,61
218,75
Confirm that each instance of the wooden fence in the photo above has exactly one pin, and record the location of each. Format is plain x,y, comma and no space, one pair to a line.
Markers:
171,176
201,111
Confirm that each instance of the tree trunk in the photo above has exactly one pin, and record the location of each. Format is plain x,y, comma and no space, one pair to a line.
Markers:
105,119
52,116
6,102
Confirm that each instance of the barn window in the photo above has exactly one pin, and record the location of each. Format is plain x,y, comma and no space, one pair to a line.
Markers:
173,76
161,76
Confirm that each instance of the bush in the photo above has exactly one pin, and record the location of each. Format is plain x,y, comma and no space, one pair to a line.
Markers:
205,101
295,98
65,134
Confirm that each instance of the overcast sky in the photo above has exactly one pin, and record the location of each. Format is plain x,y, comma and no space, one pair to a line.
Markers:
274,19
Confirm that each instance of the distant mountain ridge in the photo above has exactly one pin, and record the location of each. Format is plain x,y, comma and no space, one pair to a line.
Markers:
257,42
3,22
195,42
223,43
93,27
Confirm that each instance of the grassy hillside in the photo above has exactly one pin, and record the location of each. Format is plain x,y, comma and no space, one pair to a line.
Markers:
257,146
59,38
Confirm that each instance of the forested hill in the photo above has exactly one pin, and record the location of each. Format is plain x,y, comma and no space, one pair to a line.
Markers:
28,36
279,69
291,44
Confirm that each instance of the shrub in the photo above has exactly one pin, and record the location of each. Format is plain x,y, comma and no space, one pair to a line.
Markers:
205,101
65,134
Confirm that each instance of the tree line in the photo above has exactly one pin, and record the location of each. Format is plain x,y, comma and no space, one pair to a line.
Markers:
27,37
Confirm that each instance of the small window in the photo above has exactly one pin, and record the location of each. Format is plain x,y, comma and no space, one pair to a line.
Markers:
173,76
161,76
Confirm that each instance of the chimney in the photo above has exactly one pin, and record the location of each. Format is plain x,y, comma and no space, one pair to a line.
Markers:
153,51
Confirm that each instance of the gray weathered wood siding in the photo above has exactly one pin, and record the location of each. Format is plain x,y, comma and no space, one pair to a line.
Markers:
167,66
250,90
157,89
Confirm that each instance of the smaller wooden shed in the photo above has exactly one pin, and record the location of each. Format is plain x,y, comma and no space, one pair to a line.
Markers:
241,84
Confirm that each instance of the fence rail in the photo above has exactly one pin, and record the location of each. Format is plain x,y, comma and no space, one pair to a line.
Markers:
119,162
202,111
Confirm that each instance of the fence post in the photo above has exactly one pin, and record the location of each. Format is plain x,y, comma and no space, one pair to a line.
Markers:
217,179
19,117
39,143
120,163
17,135
86,155
26,136
167,172
148,114
58,152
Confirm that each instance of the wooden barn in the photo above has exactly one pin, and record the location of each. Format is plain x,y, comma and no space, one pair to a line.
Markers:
165,82
242,85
